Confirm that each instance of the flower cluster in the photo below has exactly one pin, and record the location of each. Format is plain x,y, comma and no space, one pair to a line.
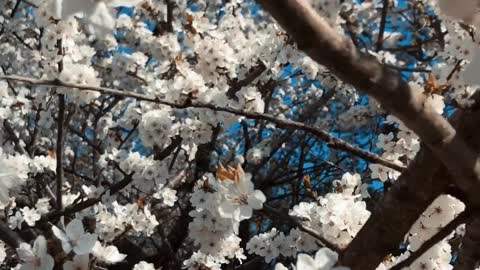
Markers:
221,203
324,259
337,217
129,165
115,220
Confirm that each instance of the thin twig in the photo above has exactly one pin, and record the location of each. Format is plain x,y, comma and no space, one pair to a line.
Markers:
8,236
60,137
59,150
383,22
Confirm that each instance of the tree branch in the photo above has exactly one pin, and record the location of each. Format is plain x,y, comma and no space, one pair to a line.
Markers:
11,132
410,195
8,236
469,254
329,48
320,41
331,141
286,218
383,22
436,238
74,208
59,150
60,135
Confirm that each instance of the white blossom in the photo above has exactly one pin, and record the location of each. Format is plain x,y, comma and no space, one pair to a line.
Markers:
325,259
143,265
35,258
108,254
240,197
98,13
80,262
74,238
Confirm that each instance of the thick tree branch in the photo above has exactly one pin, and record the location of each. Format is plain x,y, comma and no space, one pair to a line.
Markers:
394,215
321,42
414,191
439,236
469,254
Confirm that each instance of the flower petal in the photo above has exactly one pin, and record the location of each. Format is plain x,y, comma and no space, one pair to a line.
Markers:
85,244
325,259
305,262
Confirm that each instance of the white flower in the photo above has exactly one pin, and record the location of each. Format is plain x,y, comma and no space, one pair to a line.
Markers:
143,265
97,12
379,172
79,74
280,266
13,173
16,221
75,238
43,206
200,199
251,99
385,141
168,195
348,183
240,197
80,262
93,191
36,258
364,191
325,259
30,215
108,254
434,100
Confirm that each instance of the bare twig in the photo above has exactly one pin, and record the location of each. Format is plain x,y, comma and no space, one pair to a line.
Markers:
383,22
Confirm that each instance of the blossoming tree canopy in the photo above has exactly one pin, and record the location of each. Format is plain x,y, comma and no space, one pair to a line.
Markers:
239,134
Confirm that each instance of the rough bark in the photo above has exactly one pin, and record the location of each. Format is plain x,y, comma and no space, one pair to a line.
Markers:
321,42
469,253
414,190
425,178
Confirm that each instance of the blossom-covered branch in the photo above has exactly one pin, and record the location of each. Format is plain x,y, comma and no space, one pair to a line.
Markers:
318,39
331,141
